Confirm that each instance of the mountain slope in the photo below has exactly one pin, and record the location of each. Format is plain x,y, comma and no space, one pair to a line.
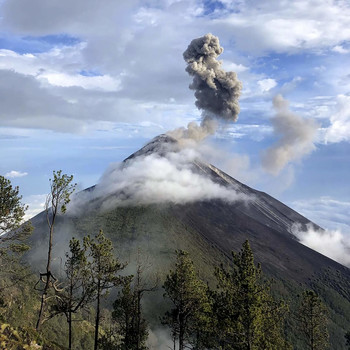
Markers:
209,230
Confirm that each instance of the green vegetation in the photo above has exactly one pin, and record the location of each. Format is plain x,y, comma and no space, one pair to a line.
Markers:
247,315
61,188
77,292
189,318
11,208
240,313
104,271
212,301
312,321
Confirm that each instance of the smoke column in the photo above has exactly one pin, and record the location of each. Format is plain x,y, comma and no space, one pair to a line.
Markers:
296,137
216,91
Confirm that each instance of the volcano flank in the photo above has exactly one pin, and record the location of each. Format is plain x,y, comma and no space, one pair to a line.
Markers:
209,228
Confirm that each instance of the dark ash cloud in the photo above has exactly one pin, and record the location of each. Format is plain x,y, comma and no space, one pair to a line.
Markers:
217,92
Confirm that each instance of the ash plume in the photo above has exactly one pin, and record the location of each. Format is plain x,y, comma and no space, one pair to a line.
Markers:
216,91
296,137
194,132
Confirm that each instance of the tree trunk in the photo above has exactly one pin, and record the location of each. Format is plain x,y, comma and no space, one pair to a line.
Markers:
181,334
70,330
42,305
48,273
138,320
97,321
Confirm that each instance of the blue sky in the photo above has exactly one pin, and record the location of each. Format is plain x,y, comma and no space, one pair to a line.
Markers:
85,83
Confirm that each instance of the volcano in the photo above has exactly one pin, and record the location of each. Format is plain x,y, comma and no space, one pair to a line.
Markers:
208,229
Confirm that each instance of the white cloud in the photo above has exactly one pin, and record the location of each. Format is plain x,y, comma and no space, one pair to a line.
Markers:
15,173
339,130
267,84
233,67
53,67
326,212
137,48
340,49
288,27
36,204
148,179
331,243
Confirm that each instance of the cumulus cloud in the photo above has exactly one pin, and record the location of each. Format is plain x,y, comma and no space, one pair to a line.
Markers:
331,243
273,26
128,60
15,173
339,129
296,137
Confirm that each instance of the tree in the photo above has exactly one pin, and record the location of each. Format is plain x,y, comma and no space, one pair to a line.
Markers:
77,292
142,285
125,315
347,339
13,233
188,294
127,308
11,209
247,317
11,217
104,271
61,188
312,318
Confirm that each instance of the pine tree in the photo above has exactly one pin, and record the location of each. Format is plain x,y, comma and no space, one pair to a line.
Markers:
61,188
312,318
125,315
13,237
11,209
347,339
247,317
12,233
104,271
127,309
191,305
77,292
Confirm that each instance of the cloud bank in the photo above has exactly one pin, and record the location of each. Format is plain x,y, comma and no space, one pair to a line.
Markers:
170,177
331,243
296,137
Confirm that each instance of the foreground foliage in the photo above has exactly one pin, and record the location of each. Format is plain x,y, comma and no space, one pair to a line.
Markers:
312,317
247,317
